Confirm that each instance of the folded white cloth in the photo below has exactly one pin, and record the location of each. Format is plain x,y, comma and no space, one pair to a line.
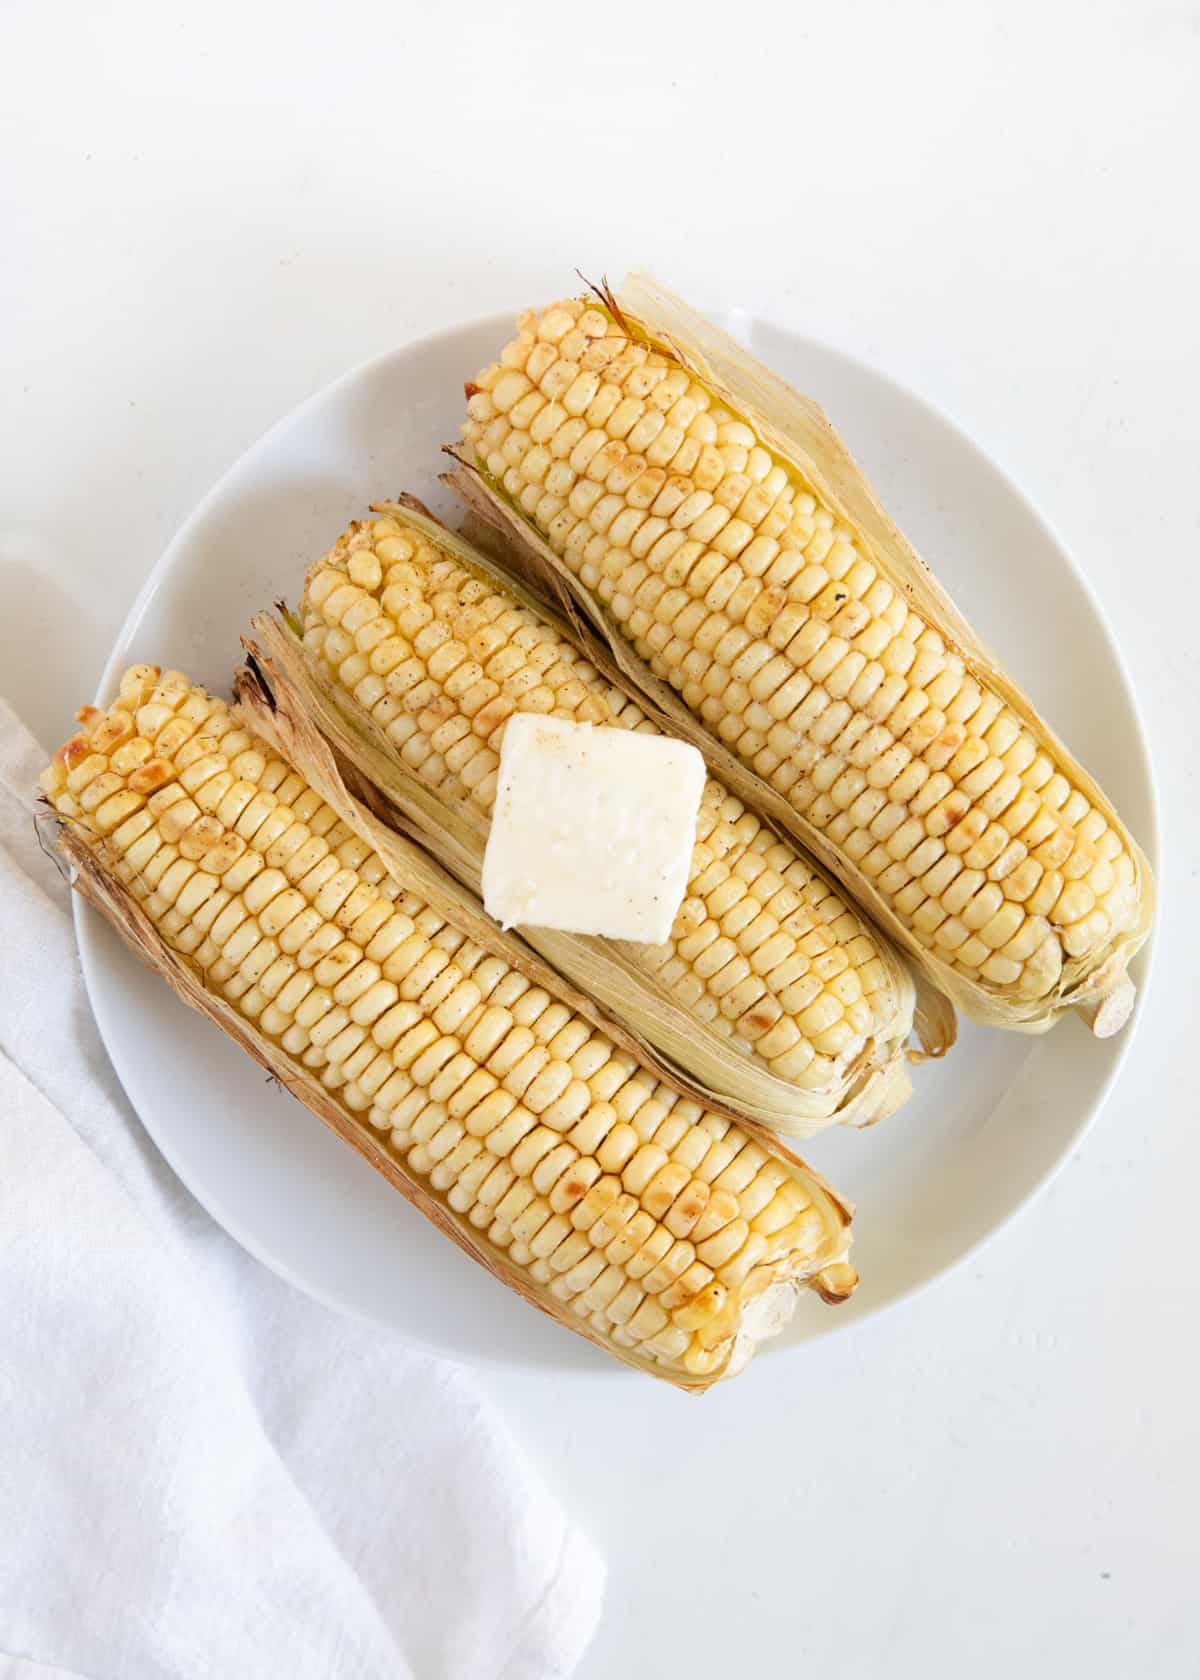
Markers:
202,1472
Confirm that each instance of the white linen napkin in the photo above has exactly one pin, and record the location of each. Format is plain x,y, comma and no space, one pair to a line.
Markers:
202,1472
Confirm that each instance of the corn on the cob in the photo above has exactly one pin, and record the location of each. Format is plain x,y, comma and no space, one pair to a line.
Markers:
624,1210
755,575
430,649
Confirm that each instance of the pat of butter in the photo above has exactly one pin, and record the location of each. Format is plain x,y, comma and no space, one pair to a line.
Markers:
592,829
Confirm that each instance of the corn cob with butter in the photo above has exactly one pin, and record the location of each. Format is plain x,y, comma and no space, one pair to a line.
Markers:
659,1231
713,524
785,1004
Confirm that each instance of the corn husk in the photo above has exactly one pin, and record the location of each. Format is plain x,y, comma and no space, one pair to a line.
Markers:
799,432
720,1072
275,701
267,711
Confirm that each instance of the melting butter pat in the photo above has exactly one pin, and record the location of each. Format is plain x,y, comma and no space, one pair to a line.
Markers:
592,829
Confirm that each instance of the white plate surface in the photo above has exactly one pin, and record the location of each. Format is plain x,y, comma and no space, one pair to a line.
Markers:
987,1127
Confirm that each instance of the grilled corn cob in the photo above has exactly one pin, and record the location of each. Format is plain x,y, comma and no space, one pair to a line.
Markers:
711,519
431,652
627,1212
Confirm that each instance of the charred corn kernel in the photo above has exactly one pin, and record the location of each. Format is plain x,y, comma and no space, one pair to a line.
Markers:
782,618
460,654
425,1071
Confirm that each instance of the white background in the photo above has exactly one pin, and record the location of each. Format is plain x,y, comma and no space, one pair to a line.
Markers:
209,211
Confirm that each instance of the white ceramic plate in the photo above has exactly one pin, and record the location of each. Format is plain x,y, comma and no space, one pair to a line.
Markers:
987,1127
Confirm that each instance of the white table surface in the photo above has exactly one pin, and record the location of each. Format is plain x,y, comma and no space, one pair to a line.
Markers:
210,211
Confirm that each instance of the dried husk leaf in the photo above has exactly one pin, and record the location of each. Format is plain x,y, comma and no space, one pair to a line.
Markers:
799,432
521,553
276,710
301,727
93,877
646,1019
454,830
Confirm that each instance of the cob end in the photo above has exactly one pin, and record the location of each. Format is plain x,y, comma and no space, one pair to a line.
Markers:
1106,1014
836,1283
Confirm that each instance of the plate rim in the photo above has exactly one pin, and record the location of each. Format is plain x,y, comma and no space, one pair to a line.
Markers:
86,922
